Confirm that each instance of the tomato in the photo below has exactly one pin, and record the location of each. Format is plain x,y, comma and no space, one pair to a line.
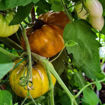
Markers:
46,41
94,7
56,18
97,22
5,29
40,83
81,12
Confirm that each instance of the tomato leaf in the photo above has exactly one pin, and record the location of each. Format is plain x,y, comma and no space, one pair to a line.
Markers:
42,7
8,4
5,97
89,97
86,51
57,5
22,13
79,80
6,65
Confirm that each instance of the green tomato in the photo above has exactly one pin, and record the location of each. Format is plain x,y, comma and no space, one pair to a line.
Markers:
81,12
94,7
5,29
97,23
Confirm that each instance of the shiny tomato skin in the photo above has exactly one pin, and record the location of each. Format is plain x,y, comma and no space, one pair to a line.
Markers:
56,18
5,29
39,80
46,41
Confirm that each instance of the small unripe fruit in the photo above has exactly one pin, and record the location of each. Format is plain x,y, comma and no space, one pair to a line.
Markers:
81,12
94,7
96,22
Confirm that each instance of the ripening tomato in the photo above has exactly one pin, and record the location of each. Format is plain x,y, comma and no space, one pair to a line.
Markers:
81,12
96,22
5,29
40,83
46,41
56,18
94,7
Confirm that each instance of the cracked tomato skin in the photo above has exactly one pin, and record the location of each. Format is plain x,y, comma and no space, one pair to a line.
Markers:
5,29
56,18
46,41
39,80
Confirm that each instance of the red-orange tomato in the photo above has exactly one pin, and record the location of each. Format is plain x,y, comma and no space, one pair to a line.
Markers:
56,18
46,41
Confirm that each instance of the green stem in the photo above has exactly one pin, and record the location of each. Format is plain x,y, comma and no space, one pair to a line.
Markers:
78,94
99,37
57,55
66,11
52,70
11,43
24,100
12,56
29,73
50,84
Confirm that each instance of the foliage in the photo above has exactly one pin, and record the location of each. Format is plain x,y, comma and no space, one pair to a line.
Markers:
77,67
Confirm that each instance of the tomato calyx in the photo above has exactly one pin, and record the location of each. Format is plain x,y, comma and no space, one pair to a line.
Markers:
38,24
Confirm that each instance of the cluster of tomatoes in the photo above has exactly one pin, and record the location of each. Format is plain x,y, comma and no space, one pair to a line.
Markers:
91,10
45,40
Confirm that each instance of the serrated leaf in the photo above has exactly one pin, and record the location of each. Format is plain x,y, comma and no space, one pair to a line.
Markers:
59,64
86,51
90,97
5,65
5,97
8,4
22,13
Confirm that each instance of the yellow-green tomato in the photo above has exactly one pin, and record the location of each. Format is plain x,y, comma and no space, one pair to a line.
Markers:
5,29
94,7
40,83
96,22
81,12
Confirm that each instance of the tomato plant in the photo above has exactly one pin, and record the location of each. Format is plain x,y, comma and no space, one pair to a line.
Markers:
48,41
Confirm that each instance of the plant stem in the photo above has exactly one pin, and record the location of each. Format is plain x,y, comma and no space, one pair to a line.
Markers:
57,55
11,43
52,70
29,73
33,14
78,94
66,11
50,84
24,100
12,56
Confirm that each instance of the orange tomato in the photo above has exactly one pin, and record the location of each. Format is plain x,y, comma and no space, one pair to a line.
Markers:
56,18
40,83
46,41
